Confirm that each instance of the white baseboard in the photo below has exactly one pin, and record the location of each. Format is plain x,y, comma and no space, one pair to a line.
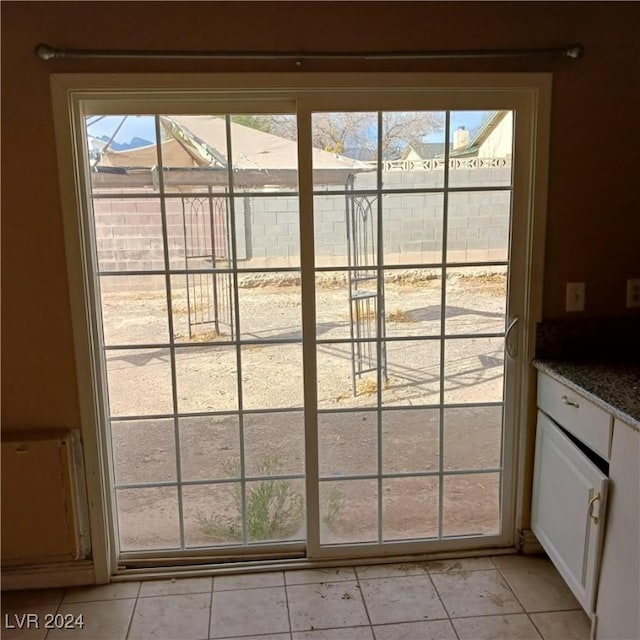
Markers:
529,544
45,576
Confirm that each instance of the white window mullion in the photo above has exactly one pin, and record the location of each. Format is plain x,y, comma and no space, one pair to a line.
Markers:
380,320
233,242
172,349
307,268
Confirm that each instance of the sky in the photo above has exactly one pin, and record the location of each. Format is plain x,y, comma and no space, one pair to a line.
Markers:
140,126
469,119
144,127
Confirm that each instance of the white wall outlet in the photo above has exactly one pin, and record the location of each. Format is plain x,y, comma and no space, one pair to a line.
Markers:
575,296
633,292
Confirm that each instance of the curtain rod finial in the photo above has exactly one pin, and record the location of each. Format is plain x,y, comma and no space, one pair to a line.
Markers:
575,51
45,52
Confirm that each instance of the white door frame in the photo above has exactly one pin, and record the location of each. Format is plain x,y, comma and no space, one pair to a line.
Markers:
528,94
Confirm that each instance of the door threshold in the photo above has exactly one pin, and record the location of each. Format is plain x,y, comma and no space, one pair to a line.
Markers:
235,568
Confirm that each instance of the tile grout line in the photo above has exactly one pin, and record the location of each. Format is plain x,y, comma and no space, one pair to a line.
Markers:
364,601
515,595
435,588
535,626
267,586
513,613
533,569
62,595
481,615
133,611
210,608
444,606
423,571
286,598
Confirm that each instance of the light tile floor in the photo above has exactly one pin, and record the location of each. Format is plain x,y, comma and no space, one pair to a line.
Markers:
503,597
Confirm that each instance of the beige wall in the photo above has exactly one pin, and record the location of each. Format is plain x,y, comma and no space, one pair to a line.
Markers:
593,186
499,143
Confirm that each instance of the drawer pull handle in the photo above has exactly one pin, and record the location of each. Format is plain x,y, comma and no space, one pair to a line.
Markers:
591,503
571,403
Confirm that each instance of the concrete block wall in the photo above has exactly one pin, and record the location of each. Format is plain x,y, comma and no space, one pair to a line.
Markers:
129,230
128,233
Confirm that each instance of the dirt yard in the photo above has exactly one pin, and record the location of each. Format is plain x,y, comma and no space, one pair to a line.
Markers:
209,448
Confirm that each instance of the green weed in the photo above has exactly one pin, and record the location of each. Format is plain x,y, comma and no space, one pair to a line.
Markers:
275,509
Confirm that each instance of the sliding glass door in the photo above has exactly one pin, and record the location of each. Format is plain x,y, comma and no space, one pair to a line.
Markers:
198,267
412,264
300,311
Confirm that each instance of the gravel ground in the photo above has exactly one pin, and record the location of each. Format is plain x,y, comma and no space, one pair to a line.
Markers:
145,450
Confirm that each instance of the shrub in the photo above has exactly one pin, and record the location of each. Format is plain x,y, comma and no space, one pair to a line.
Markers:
275,509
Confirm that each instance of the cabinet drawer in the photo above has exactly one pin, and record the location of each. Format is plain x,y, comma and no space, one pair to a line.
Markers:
579,416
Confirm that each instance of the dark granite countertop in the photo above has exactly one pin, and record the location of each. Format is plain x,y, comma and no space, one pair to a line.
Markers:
614,386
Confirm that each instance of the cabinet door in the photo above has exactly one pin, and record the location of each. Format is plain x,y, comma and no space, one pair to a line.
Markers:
568,507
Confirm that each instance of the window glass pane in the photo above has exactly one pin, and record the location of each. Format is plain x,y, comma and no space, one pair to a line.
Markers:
270,306
206,379
474,370
134,310
275,510
410,508
481,148
274,443
346,230
195,153
471,504
267,231
410,441
271,376
212,514
345,150
143,451
209,447
148,518
203,307
413,149
478,226
123,154
412,228
265,152
473,438
348,511
199,229
139,381
128,233
347,443
413,372
338,386
476,300
413,301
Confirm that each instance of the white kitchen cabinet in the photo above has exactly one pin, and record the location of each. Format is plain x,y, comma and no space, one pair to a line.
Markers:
618,607
568,507
585,508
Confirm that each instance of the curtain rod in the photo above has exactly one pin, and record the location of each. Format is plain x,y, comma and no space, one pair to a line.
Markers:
46,52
